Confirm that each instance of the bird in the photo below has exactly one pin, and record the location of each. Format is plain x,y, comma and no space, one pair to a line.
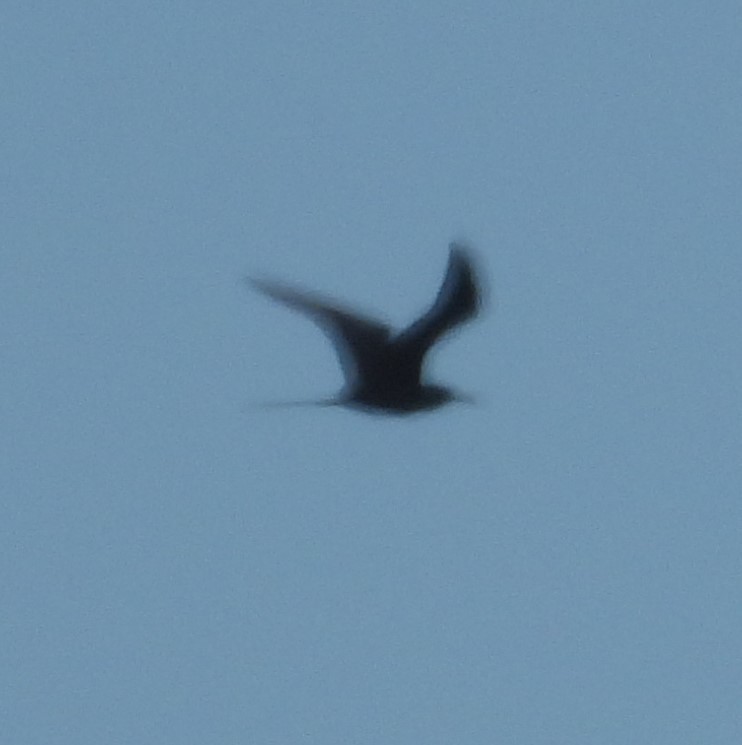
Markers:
383,370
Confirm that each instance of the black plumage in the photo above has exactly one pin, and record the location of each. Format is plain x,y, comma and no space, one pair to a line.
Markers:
384,371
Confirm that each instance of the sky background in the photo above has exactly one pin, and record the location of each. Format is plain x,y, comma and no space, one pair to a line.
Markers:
560,564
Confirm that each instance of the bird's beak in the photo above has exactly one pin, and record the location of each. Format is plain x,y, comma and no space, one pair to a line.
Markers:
465,398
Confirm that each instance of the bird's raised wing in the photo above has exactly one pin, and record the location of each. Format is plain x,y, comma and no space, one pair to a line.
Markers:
457,301
357,340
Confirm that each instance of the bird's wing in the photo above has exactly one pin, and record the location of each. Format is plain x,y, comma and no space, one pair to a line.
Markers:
357,340
457,301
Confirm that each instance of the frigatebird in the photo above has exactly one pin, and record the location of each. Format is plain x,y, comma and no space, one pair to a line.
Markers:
383,371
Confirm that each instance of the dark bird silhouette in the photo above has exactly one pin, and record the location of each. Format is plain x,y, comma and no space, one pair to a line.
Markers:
383,372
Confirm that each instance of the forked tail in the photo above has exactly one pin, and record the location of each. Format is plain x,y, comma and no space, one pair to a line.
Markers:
294,404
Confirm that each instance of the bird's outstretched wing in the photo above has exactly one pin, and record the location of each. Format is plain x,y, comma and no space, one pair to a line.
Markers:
457,301
357,339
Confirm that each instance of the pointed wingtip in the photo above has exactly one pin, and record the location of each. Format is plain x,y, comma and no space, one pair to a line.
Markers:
467,259
274,290
465,253
463,276
462,258
459,248
253,283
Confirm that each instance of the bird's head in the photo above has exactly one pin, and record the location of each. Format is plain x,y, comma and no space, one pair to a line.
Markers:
438,395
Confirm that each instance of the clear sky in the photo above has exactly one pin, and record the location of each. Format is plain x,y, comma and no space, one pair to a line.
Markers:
560,564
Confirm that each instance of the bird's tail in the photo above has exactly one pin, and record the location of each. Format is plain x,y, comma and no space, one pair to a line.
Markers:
294,404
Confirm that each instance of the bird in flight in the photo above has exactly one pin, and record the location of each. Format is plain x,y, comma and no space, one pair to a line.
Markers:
383,370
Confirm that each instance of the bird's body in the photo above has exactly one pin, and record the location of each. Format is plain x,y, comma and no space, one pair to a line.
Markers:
383,372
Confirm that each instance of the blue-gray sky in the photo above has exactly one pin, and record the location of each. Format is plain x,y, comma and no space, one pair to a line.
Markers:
560,564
